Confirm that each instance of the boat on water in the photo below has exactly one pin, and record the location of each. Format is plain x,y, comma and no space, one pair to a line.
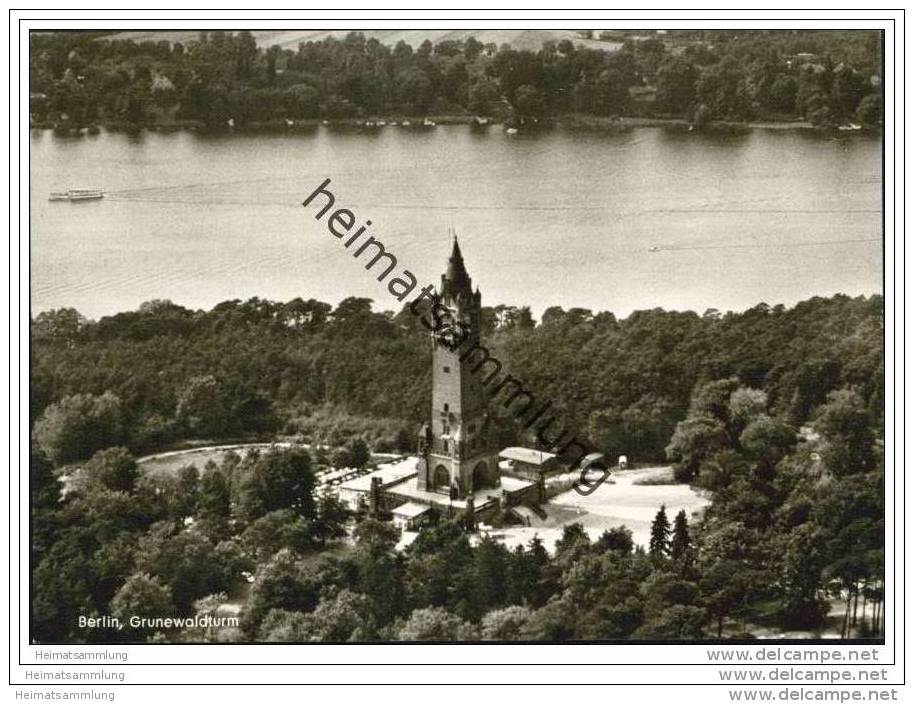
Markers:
653,249
76,194
511,130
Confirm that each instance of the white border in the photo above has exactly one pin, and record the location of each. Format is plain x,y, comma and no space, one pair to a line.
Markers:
568,661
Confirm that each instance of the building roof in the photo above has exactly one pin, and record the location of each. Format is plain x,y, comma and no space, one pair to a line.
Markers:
389,474
512,484
410,510
526,455
456,280
593,458
525,512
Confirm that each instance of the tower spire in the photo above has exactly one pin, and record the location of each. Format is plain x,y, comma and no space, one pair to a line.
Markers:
456,279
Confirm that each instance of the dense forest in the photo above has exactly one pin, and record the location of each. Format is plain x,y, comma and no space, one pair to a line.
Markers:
164,373
778,413
80,79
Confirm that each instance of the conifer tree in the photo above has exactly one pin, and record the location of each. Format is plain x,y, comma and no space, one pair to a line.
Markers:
660,534
681,542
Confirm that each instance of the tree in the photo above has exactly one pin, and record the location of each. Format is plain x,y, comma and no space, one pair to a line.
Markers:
782,95
489,575
573,543
405,441
61,592
472,48
611,92
647,426
768,441
606,431
279,479
617,540
44,500
113,469
526,581
379,570
76,426
343,618
414,90
681,543
187,492
733,568
375,533
869,111
814,378
848,89
341,458
678,622
44,487
483,92
359,453
332,517
185,562
846,428
660,534
215,498
141,596
801,558
434,624
676,80
278,530
282,583
528,102
283,626
713,399
694,440
61,326
723,468
505,624
301,100
552,622
746,405
725,90
211,606
438,566
203,407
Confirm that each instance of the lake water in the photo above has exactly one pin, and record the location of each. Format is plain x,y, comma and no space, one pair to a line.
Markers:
562,218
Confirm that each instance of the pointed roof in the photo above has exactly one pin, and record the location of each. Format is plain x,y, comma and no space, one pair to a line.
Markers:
456,269
456,278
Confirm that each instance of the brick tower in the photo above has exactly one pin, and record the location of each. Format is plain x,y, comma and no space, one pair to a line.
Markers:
457,448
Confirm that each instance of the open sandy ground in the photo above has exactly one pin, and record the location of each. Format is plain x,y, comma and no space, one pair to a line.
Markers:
622,503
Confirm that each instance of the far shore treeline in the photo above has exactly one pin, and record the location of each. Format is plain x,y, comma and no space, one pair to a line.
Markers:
86,79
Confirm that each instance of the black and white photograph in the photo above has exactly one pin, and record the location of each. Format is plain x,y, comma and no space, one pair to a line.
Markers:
463,335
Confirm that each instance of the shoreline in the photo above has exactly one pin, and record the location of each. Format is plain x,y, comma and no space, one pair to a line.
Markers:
574,121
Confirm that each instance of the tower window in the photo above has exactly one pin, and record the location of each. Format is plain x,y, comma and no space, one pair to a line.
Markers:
447,370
